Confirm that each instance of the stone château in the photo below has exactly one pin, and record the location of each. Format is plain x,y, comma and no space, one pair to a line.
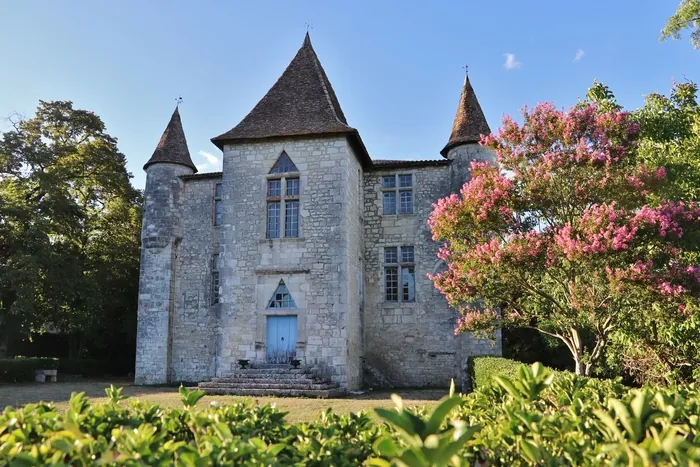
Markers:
303,247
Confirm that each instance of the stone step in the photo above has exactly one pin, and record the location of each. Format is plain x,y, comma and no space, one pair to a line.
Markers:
268,385
262,380
285,369
315,393
242,376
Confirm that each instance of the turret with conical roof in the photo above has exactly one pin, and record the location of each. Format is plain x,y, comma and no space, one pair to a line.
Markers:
161,234
172,146
463,146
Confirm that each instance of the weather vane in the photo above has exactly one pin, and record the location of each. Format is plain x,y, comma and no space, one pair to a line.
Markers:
466,69
308,26
179,101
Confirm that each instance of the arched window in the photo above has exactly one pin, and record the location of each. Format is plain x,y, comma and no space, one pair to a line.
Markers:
283,197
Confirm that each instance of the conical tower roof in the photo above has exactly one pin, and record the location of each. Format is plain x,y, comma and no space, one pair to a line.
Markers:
173,145
469,123
301,103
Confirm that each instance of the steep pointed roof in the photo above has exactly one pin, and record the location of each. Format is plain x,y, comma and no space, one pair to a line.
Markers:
301,103
173,145
470,122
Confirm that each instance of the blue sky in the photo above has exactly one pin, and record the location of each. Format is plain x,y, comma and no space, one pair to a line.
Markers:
395,66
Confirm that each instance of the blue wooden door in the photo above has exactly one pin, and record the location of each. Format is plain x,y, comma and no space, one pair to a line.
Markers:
281,338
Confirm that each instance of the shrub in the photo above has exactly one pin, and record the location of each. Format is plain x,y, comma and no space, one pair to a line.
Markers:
535,418
21,369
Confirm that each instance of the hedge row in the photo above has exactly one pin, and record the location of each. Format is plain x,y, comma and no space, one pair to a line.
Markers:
21,369
532,419
484,369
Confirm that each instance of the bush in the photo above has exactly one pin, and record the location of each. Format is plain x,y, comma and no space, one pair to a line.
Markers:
533,418
21,369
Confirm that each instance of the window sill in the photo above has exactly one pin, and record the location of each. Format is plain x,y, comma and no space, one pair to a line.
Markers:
283,240
412,304
399,215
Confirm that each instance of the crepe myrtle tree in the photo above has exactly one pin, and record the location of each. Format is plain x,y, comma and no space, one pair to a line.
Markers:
560,235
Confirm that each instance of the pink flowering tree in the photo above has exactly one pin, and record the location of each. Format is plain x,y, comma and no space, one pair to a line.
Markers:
560,236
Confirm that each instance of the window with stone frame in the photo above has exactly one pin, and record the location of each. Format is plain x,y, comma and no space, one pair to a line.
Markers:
283,190
215,279
218,203
282,298
399,274
397,194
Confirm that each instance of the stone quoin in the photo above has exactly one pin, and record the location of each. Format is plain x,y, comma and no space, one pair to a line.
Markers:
302,248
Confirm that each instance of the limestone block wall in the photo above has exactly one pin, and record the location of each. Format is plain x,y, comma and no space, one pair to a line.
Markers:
355,273
195,317
313,265
410,344
160,238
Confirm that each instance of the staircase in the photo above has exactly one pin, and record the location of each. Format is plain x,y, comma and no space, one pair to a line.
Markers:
272,380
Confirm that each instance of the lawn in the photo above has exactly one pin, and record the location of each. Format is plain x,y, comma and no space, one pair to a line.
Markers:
299,409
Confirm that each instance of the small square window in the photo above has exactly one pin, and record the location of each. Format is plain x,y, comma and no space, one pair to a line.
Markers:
292,187
389,203
405,180
389,181
274,188
390,255
407,255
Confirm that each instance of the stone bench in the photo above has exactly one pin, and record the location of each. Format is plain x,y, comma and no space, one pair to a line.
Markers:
41,376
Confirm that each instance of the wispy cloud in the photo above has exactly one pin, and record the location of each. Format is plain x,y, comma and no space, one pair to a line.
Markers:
579,55
511,63
212,163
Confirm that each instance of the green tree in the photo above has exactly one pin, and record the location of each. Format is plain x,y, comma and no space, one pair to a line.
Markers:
69,228
565,235
687,16
651,349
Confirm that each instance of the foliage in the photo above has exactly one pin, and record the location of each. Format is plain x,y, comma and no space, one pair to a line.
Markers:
21,369
16,370
566,235
423,442
69,230
686,16
532,418
485,368
652,349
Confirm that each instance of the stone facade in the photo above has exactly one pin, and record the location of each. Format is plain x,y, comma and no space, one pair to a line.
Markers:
344,326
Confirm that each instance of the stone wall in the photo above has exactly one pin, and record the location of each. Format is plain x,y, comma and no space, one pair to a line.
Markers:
161,234
195,319
314,266
411,344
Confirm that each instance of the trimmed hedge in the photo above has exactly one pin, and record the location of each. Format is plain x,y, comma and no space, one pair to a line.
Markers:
21,369
15,370
484,369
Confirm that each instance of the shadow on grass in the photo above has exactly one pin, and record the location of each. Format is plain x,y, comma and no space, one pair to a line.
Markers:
59,393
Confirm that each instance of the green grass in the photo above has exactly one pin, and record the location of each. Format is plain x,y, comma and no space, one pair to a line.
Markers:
300,409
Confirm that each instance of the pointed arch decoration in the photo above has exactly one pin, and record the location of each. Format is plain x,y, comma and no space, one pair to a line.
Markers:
283,165
282,298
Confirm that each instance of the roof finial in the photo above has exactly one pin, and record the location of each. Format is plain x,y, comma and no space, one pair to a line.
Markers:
308,26
178,102
466,69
